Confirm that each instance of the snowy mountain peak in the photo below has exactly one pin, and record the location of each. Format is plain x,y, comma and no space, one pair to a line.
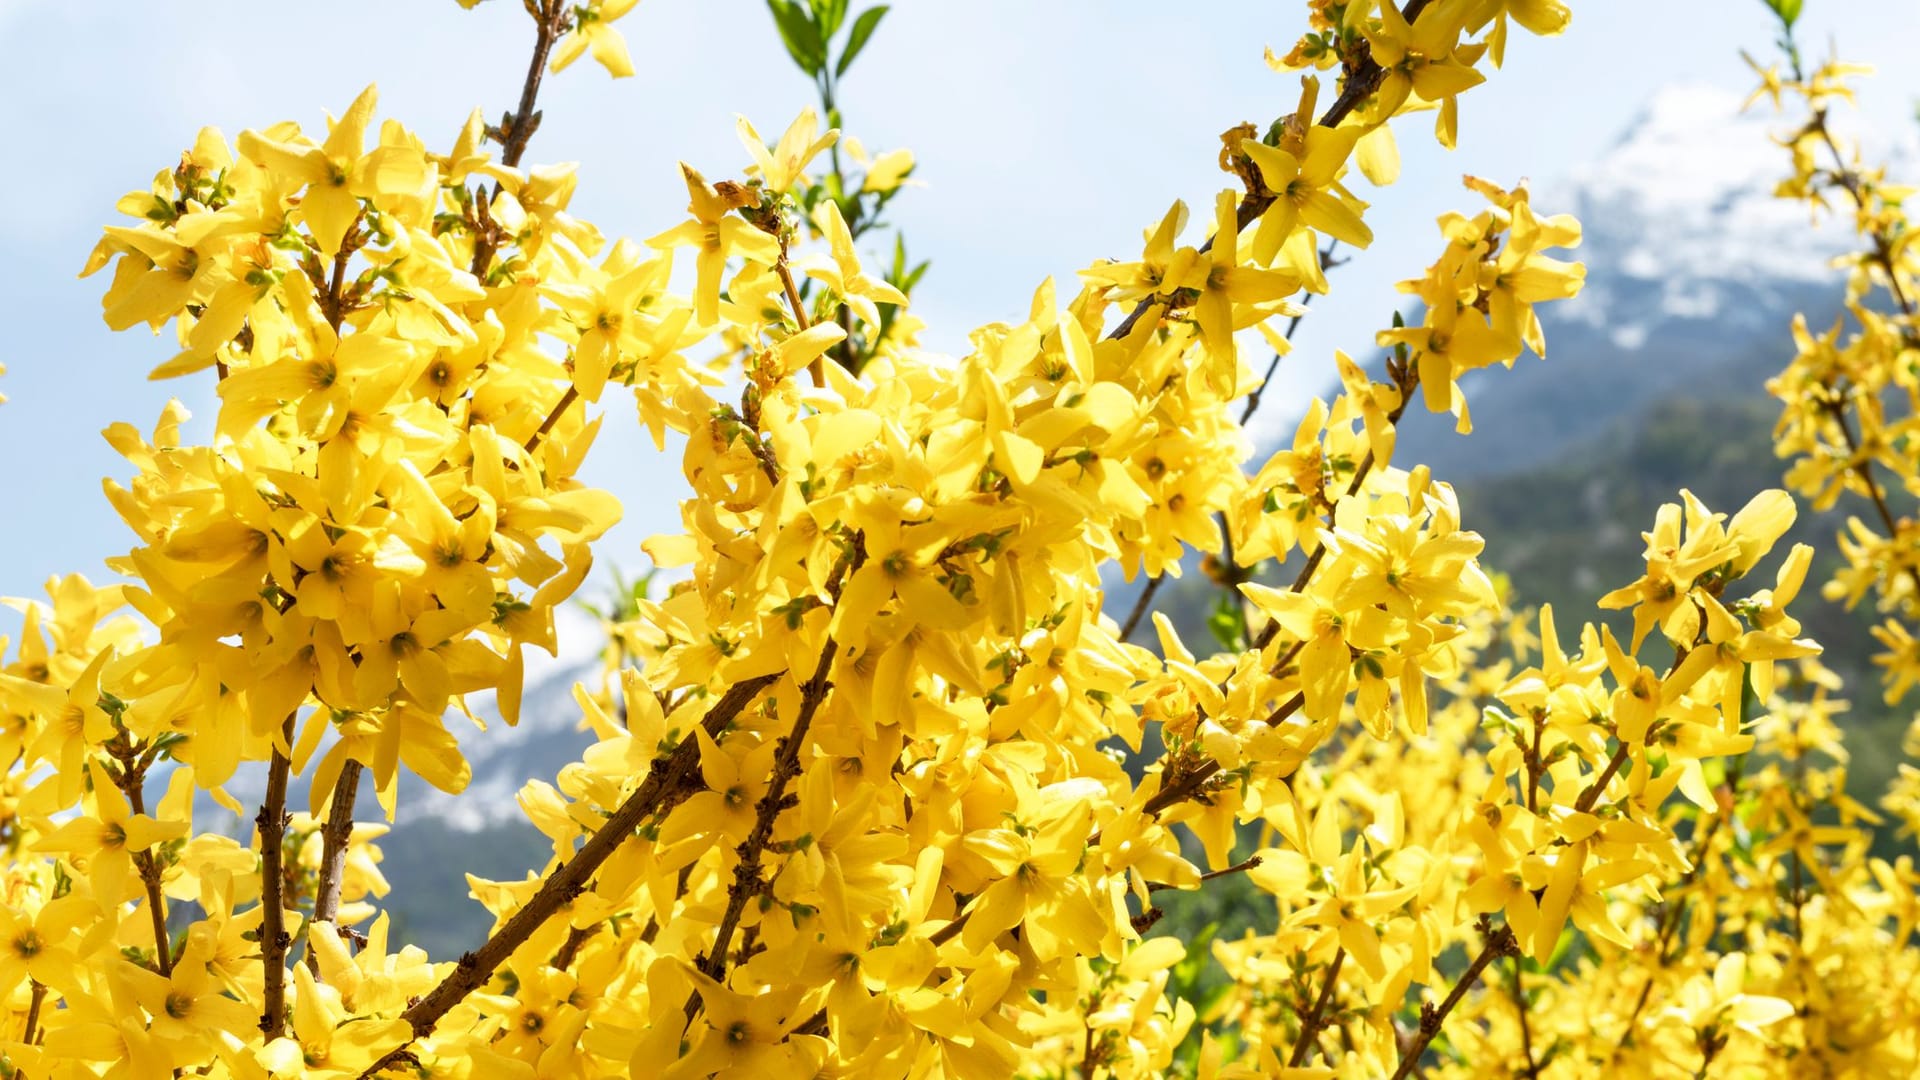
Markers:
1686,194
1690,147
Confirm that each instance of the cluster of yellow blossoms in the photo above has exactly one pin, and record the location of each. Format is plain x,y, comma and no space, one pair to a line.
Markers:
1849,394
889,793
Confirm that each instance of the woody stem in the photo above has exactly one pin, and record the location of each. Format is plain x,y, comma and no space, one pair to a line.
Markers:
270,825
334,837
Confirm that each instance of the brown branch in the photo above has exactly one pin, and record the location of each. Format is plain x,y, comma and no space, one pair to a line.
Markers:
1673,914
951,930
156,910
1091,1053
844,351
551,18
570,948
1863,466
548,26
1190,783
1273,366
1849,180
817,367
1311,1023
1499,943
32,1033
786,764
1526,1026
1883,241
1140,606
1536,764
332,300
1149,915
546,426
746,873
334,838
663,787
792,291
1147,919
1592,793
1182,789
270,825
1407,380
131,777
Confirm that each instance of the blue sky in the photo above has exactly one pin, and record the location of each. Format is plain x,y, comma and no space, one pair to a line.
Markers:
1048,134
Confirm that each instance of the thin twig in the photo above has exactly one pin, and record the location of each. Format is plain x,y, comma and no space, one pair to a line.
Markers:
1091,1054
817,367
135,759
546,426
1362,81
1255,395
32,1034
1499,943
1236,868
1310,1024
1406,380
1883,252
1190,783
1592,793
1144,601
553,19
549,21
1140,606
1526,1027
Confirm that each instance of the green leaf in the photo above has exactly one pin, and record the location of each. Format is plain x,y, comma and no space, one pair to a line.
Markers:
900,275
1183,982
1560,950
828,14
863,28
1788,10
800,35
1228,620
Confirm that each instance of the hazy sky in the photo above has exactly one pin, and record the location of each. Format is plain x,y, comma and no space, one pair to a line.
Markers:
1048,133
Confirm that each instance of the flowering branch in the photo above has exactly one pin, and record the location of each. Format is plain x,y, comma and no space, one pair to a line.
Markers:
1363,77
662,786
1316,1017
746,872
1499,943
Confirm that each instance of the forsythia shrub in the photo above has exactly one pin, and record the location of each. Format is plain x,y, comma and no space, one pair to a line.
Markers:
881,788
